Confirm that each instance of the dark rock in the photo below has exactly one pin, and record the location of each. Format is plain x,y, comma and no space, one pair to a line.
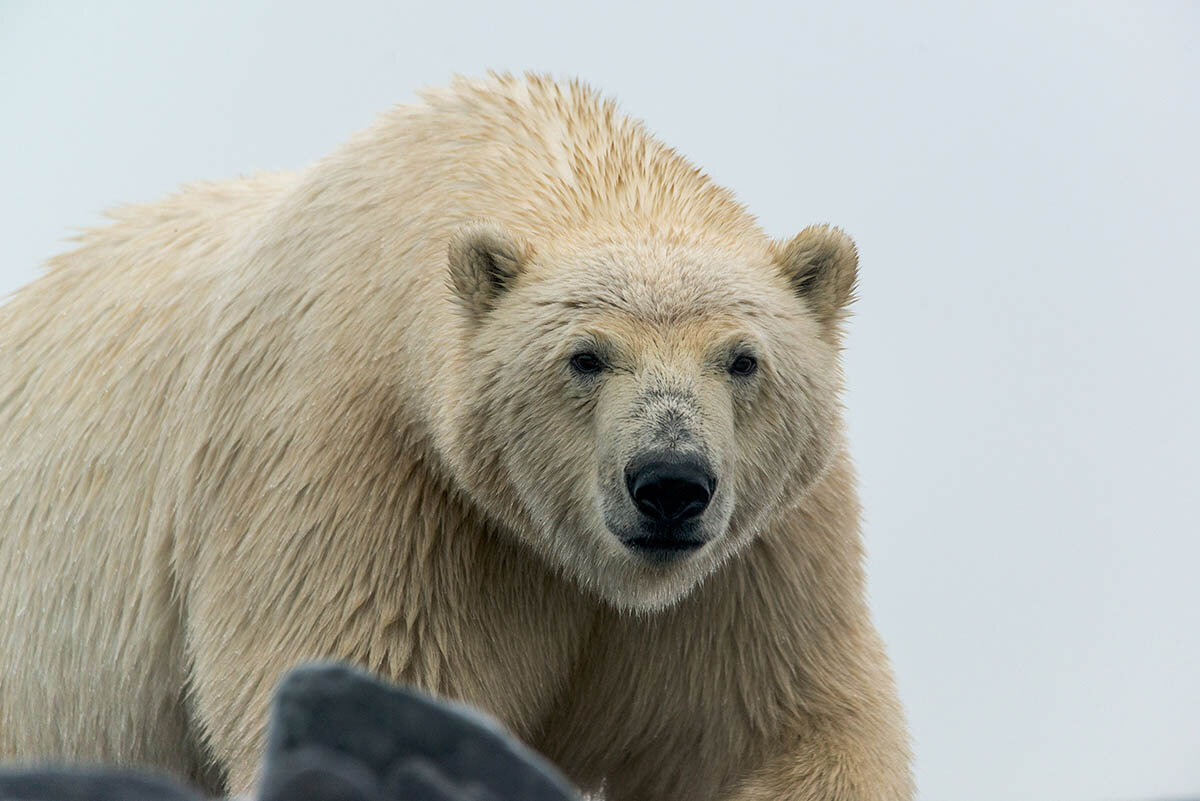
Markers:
316,774
390,742
82,784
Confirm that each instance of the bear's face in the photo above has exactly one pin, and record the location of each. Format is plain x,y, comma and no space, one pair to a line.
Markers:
638,411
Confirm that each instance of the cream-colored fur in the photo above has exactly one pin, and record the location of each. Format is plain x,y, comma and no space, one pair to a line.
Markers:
331,414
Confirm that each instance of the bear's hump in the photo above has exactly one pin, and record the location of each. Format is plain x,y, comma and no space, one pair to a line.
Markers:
565,156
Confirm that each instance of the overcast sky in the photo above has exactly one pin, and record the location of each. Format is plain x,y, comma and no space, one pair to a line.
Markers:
1023,391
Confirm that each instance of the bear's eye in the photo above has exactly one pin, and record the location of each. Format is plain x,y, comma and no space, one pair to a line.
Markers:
743,365
586,363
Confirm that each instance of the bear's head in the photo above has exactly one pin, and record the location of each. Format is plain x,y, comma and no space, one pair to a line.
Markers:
637,409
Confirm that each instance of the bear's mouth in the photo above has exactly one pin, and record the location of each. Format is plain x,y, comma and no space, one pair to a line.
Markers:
663,547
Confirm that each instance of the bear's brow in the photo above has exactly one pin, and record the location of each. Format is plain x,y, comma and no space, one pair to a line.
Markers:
658,310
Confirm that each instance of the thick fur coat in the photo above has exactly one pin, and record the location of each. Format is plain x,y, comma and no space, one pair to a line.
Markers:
379,411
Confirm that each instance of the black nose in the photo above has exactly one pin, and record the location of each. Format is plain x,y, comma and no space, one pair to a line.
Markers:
669,489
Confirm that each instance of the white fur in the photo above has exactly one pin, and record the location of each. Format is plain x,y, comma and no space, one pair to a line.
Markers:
284,418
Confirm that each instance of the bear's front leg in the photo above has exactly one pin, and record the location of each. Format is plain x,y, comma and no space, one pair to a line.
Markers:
854,760
679,718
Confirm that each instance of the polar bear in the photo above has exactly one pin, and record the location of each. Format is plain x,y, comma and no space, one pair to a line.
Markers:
503,399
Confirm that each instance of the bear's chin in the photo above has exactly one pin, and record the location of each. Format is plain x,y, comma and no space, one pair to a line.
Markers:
634,583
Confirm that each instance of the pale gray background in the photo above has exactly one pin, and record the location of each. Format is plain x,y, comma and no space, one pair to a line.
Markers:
1022,180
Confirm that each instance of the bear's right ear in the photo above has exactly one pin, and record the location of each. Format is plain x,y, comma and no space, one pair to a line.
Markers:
484,259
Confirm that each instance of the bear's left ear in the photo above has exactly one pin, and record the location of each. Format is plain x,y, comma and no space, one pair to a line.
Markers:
484,261
821,265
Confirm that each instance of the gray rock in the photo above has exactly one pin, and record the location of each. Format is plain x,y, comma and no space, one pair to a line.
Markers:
89,784
394,743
